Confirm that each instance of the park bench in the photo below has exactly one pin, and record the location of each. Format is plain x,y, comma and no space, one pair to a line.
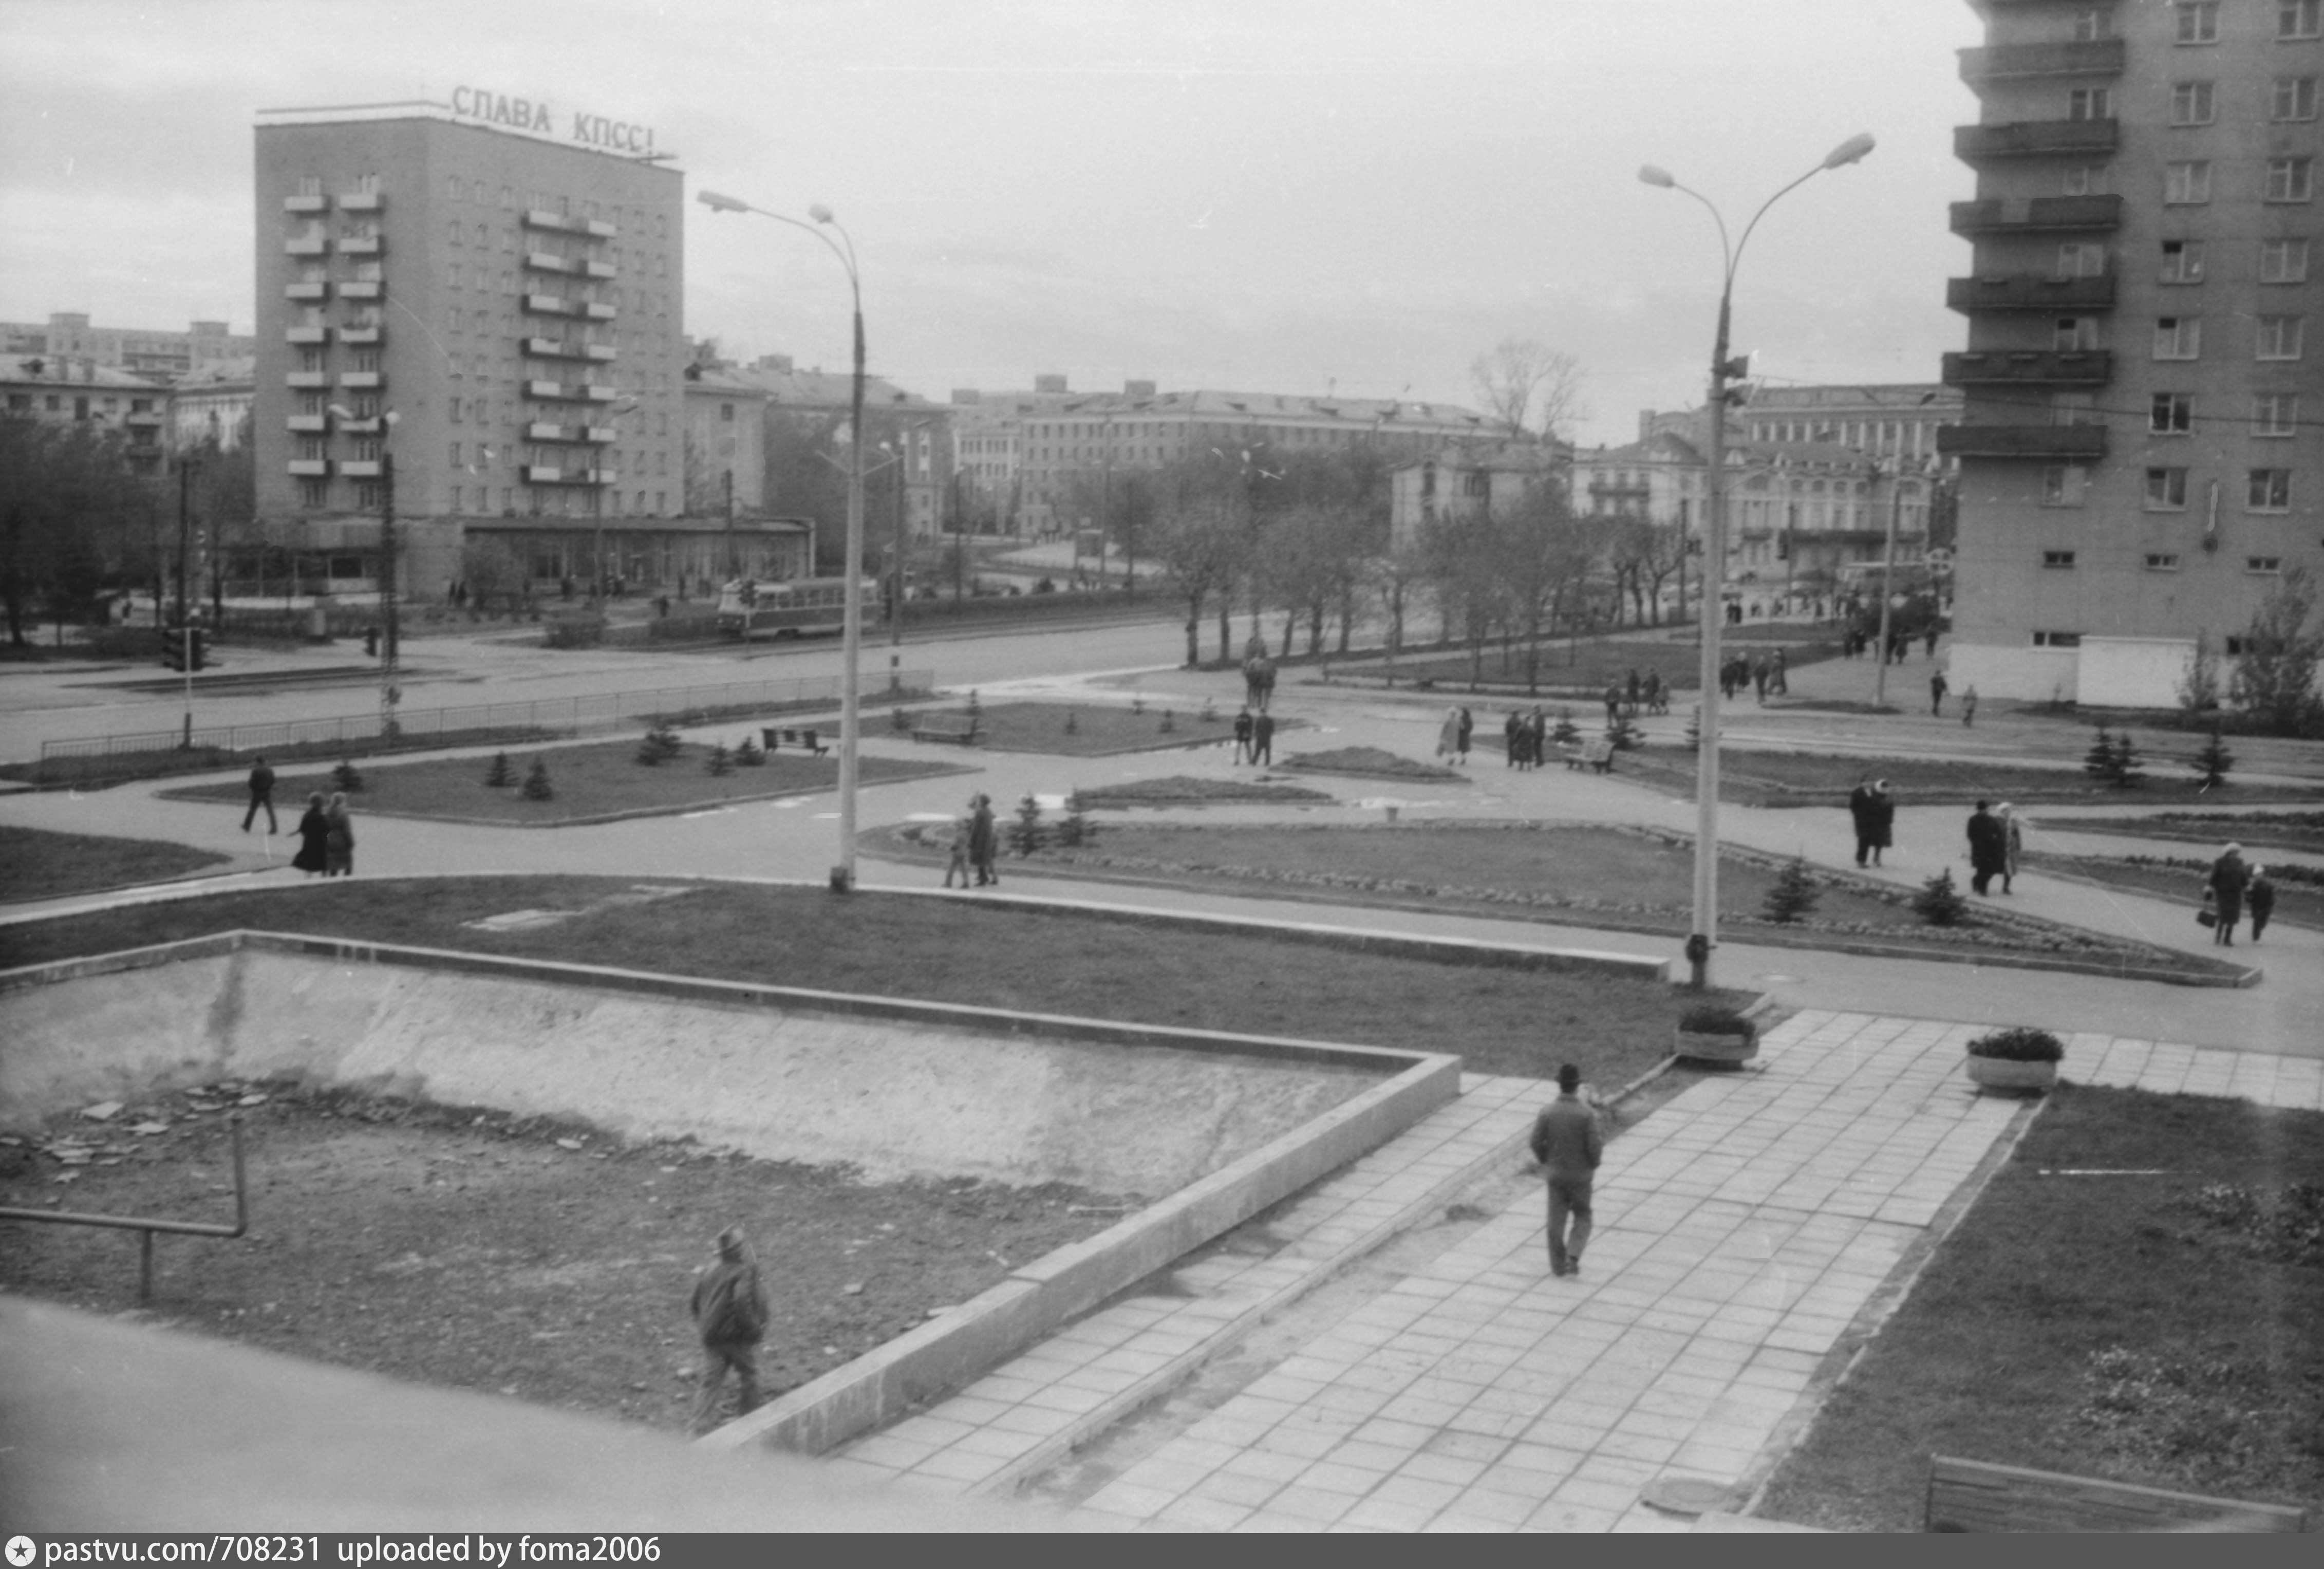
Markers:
1597,754
1970,1495
805,739
958,727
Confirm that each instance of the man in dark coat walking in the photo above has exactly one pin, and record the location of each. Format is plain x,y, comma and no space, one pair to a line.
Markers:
1989,847
262,794
2231,878
1937,690
1262,739
729,1312
1566,1141
983,839
1863,808
1242,734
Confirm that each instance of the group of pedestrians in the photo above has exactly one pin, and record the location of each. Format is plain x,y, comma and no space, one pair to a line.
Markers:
1254,737
1996,838
975,844
2233,888
1525,735
1452,736
1767,673
326,832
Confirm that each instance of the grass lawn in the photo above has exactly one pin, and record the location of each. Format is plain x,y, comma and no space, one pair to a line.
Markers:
2253,830
1502,1020
1806,778
1069,730
45,866
1369,762
2149,1329
2299,891
1586,668
1622,879
593,782
1184,791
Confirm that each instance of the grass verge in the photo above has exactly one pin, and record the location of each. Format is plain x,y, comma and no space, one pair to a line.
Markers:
1068,730
1801,779
45,866
2253,830
2297,902
2156,1329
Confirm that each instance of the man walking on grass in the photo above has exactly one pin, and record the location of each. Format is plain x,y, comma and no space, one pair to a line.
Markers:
262,794
730,1311
1567,1143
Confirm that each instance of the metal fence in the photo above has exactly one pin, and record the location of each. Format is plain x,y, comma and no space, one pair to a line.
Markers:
550,716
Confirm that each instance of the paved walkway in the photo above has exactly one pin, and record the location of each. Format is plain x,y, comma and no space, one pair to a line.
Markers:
1748,1230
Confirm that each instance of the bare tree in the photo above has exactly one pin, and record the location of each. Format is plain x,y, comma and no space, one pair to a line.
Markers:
1529,387
1200,546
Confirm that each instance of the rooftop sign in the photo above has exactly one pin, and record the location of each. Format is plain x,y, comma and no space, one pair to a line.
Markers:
540,118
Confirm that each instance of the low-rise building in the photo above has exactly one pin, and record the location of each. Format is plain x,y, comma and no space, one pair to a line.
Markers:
1460,479
213,406
80,392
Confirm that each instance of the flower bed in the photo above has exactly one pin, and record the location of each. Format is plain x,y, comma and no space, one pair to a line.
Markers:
1369,762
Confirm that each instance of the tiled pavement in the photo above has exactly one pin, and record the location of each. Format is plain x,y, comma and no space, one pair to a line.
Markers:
1743,1228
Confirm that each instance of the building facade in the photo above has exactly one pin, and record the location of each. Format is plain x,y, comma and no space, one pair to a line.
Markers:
502,312
97,398
2138,451
1460,479
156,355
213,406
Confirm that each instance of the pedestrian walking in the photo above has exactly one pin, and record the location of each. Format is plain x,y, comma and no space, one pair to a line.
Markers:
1537,737
339,837
1937,690
1968,705
1568,1146
262,794
1781,676
1761,673
1884,819
2231,878
1989,847
1632,689
314,839
1933,640
1513,740
1242,734
729,1312
983,838
1448,735
1468,729
1657,694
2012,841
959,861
1613,703
2259,894
1262,740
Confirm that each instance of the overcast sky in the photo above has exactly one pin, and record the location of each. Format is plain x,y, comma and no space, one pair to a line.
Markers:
1261,195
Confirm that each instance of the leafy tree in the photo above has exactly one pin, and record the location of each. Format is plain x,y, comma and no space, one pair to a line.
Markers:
2199,688
1793,894
1201,550
73,516
2274,678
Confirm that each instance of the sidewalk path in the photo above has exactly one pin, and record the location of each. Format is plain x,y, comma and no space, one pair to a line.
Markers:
1746,1230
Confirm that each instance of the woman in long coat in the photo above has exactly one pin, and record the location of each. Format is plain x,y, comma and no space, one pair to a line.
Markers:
981,839
1448,735
1884,819
2229,878
314,829
339,839
2012,841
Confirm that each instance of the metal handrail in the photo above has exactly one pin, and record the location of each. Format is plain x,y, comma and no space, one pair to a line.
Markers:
146,1226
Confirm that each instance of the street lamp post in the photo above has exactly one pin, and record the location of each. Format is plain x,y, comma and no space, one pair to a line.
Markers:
1705,935
389,695
842,875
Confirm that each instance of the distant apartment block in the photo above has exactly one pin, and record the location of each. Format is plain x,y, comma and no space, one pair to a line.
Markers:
93,397
156,355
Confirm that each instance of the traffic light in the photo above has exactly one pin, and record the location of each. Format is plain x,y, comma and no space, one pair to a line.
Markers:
201,648
176,642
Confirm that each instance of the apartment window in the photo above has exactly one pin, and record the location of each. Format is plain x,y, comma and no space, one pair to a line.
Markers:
2279,337
2300,19
2161,561
2075,334
2178,337
2275,414
2283,262
2057,639
2060,560
367,449
2171,414
2089,104
2092,24
2081,261
2269,491
2190,103
2166,490
456,411
2187,184
455,455
2182,262
2267,566
2198,21
2084,179
310,448
366,493
2074,409
313,493
2295,98
367,359
2061,484
2289,178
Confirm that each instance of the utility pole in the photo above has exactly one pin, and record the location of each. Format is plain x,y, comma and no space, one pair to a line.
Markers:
185,616
389,695
1888,575
734,561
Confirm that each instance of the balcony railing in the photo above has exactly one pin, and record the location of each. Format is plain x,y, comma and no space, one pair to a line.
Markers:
362,289
370,426
599,269
362,201
2058,443
309,467
308,424
357,336
569,392
359,245
2045,367
542,261
360,468
545,430
306,290
551,305
557,349
2037,214
596,311
306,335
595,228
306,245
2033,293
360,380
2100,57
309,379
306,204
2035,139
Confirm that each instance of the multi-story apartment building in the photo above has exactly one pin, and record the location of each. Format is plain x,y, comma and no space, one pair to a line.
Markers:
156,355
2138,451
1460,479
502,311
99,398
212,405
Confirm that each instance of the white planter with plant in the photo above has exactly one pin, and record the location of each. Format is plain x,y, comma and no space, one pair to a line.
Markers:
2017,1059
1716,1036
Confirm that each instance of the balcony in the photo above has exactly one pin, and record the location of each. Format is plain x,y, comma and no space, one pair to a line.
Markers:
555,348
360,468
542,261
307,204
362,201
2101,57
595,228
596,312
2030,368
362,289
308,379
599,269
568,391
2038,215
545,430
551,305
305,335
308,424
1977,145
309,467
360,381
2056,443
359,245
306,245
358,336
369,426
138,418
2031,293
308,291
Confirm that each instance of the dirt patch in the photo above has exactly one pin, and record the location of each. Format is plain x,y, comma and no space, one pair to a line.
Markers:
537,1259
